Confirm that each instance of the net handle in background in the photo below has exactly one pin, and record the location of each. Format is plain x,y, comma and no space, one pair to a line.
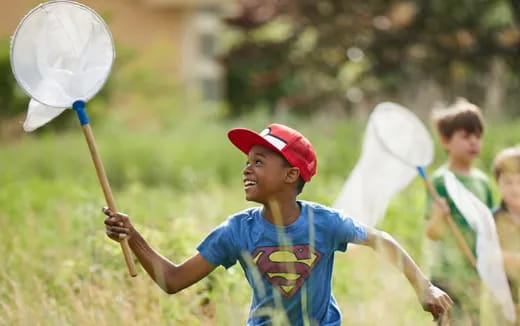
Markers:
79,107
461,242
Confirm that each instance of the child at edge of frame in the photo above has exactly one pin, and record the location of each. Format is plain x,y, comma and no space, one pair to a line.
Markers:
460,128
506,170
272,242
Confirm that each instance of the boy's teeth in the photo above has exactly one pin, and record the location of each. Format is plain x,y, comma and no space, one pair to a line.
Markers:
250,183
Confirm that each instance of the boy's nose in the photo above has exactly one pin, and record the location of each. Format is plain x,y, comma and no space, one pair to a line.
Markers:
474,139
246,170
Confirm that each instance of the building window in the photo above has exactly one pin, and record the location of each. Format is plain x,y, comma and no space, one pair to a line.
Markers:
208,45
210,89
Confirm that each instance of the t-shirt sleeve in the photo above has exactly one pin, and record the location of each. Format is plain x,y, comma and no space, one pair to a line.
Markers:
348,230
219,247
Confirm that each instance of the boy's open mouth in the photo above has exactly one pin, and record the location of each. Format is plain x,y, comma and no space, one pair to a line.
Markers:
249,183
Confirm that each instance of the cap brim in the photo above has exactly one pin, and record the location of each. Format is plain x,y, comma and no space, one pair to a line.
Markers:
244,139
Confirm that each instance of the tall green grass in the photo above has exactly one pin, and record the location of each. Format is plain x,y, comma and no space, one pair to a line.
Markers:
174,172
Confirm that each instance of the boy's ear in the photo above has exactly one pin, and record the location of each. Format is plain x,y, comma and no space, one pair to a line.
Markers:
293,173
444,141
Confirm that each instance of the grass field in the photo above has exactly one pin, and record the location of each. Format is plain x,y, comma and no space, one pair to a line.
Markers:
177,176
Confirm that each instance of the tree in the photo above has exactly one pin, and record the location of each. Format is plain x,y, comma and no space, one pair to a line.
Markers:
309,54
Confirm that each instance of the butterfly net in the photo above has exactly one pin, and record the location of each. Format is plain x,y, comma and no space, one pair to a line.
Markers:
394,145
490,265
61,52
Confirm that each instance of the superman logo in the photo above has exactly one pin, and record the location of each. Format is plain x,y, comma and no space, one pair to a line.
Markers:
287,267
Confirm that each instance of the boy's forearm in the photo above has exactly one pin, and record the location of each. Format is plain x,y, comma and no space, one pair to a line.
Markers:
400,258
432,299
171,277
158,267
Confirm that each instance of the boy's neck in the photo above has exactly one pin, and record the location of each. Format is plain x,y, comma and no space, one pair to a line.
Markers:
281,213
461,167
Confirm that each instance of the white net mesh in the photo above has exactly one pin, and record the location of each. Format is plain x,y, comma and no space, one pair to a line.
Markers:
489,258
395,143
39,114
61,52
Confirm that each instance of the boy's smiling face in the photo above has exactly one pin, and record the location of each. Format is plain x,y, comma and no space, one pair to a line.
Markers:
265,175
463,146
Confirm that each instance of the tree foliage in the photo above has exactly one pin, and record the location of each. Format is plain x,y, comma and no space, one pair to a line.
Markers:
11,98
308,54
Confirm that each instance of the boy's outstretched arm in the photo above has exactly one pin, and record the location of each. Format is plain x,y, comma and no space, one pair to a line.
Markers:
432,299
170,277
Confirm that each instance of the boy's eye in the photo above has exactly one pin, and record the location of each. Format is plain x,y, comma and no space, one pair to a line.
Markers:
257,162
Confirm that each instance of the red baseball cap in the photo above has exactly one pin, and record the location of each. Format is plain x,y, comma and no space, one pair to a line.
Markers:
296,149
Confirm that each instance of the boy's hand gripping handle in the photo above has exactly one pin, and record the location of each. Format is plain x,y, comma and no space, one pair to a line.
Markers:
79,107
461,242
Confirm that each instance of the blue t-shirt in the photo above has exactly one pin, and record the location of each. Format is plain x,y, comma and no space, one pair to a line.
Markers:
287,266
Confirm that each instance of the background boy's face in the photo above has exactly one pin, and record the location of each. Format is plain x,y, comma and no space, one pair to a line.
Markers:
463,146
264,174
509,187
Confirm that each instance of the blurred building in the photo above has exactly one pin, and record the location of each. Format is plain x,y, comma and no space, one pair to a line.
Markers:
184,32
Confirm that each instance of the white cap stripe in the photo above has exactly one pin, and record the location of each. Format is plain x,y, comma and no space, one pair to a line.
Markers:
276,142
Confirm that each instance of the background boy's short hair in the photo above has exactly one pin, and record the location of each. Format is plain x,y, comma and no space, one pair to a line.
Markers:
507,160
461,115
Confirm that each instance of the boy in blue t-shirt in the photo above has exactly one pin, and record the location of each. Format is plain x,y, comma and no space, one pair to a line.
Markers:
286,246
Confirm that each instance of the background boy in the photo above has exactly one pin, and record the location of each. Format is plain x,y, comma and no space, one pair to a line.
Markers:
460,128
285,247
506,170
